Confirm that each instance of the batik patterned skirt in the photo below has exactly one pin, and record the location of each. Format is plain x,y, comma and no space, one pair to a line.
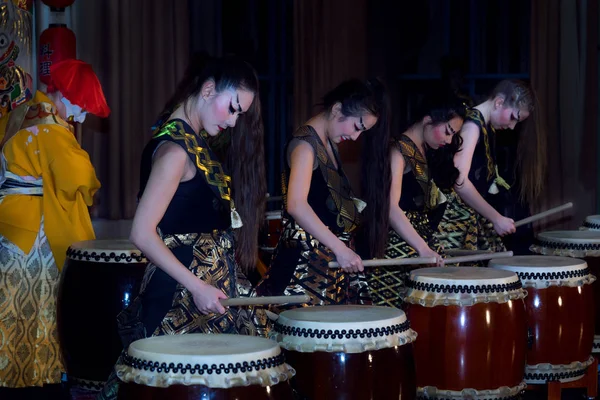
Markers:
463,228
300,266
387,284
29,347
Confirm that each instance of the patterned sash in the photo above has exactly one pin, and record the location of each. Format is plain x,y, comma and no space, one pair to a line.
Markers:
475,116
420,169
204,159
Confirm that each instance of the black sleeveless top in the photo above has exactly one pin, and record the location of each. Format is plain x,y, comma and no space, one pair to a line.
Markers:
419,193
330,195
195,208
483,163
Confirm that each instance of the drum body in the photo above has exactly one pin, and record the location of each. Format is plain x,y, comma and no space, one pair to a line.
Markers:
273,227
268,239
472,332
591,223
348,352
577,244
100,278
560,315
199,366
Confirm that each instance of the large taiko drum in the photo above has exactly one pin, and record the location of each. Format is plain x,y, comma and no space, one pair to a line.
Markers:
100,278
269,237
591,223
204,366
577,244
348,352
472,332
273,228
560,315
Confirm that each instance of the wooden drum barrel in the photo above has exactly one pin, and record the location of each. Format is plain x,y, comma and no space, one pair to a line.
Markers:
348,352
204,366
560,315
472,332
100,278
576,244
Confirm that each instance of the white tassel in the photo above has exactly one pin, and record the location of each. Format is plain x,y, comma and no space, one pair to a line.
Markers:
441,197
493,189
236,220
360,205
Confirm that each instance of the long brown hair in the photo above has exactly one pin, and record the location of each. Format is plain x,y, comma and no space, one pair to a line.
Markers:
242,146
531,151
376,175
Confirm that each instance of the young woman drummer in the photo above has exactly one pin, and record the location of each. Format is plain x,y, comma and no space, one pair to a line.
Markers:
321,211
416,203
471,221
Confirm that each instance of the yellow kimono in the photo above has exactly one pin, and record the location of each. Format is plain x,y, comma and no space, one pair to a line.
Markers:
47,185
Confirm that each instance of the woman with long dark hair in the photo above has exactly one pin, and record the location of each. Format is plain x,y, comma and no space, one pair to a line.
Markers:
197,219
414,200
321,212
471,221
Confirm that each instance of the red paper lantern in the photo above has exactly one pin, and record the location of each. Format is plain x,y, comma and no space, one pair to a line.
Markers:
58,3
56,43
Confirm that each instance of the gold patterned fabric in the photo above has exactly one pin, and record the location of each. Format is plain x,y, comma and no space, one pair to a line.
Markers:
418,164
29,348
387,284
214,263
463,228
300,266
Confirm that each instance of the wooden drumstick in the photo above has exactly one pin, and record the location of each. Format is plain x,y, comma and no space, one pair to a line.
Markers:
391,262
463,252
544,214
477,257
265,300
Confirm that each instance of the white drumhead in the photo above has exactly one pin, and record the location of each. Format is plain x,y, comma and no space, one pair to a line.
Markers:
343,328
569,237
471,276
106,251
538,263
217,361
544,271
462,286
277,214
568,243
592,222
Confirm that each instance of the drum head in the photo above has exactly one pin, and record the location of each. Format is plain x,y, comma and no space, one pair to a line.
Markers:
217,348
462,286
544,271
590,238
465,276
537,263
217,361
592,222
343,328
568,243
105,251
